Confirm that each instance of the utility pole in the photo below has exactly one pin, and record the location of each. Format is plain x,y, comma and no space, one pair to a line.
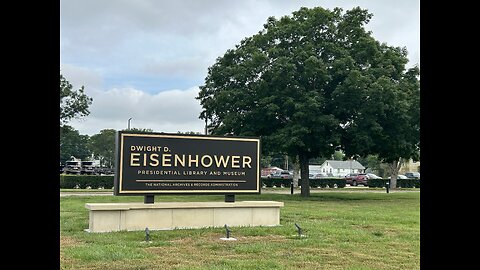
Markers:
206,126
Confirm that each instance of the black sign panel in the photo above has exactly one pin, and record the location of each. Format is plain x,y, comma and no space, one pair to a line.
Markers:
156,163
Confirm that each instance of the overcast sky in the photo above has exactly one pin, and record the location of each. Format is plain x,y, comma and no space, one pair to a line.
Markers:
145,59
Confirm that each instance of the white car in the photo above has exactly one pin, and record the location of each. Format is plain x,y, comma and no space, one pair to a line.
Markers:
373,176
400,176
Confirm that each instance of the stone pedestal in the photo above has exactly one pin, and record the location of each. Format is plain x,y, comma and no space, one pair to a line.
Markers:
111,217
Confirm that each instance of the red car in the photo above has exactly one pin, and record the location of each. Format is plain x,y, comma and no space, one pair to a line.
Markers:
349,177
361,178
356,178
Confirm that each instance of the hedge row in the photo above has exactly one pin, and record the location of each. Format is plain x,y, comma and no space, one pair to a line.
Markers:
269,182
377,182
83,181
330,182
401,183
322,182
106,181
408,183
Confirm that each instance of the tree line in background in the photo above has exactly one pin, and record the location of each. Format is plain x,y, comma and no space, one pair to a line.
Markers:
100,146
310,85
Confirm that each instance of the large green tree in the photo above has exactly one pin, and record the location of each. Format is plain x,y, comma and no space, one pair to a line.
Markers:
281,84
386,120
73,144
73,103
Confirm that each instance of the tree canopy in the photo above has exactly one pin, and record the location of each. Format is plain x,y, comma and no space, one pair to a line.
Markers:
73,103
72,144
307,83
103,147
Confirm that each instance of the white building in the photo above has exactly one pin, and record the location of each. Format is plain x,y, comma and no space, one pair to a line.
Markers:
337,168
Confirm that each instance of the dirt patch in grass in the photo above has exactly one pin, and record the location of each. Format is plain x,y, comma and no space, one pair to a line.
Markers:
263,238
66,242
201,251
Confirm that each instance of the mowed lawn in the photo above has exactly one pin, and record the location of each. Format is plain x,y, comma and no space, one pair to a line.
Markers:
343,230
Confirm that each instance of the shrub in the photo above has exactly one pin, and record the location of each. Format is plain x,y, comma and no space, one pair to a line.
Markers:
417,183
287,182
408,183
378,183
328,182
268,182
83,181
341,183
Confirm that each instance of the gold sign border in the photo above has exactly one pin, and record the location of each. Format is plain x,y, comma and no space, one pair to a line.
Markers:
120,176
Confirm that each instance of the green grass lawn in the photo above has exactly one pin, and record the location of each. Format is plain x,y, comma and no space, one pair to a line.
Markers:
344,230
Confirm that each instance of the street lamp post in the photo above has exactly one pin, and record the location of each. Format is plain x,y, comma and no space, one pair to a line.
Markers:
206,130
129,122
350,165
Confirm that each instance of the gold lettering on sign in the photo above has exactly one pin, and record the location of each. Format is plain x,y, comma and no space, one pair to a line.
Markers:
165,159
206,165
191,161
235,161
221,161
180,160
246,161
154,160
134,157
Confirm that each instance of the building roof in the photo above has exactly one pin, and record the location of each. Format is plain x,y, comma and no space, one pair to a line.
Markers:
272,168
347,164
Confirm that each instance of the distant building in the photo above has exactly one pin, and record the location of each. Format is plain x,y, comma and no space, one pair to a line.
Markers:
338,168
410,166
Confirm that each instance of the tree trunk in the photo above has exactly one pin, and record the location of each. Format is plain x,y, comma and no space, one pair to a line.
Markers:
304,174
394,169
296,170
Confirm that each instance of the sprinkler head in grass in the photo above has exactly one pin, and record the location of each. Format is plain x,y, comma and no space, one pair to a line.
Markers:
227,232
299,230
147,235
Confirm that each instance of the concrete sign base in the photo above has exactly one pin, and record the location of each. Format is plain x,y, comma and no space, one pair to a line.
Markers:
112,217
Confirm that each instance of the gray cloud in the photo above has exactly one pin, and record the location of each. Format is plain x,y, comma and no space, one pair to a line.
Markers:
131,54
167,111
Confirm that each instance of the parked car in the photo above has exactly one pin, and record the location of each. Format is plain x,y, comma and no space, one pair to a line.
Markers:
349,176
319,175
353,179
281,175
373,176
361,178
413,175
400,176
